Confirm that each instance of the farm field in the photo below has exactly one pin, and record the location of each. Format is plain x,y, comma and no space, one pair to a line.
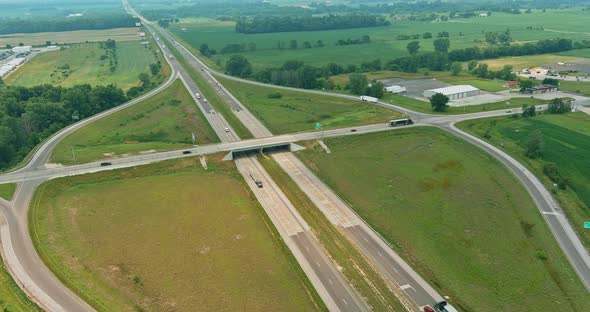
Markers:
65,37
566,143
298,111
168,236
425,107
584,53
165,121
7,190
12,298
384,46
455,214
81,63
522,62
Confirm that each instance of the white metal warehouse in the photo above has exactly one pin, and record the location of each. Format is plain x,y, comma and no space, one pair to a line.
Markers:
454,92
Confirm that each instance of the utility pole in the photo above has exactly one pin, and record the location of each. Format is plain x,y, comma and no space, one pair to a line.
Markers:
73,152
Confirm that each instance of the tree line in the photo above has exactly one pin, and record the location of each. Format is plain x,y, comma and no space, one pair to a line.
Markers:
11,26
29,115
270,24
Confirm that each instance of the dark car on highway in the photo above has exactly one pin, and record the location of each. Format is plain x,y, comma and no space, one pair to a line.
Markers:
106,163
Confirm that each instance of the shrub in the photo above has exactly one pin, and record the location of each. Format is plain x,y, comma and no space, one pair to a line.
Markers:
274,95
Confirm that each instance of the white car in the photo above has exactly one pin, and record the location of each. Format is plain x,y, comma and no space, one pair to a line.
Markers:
198,95
226,129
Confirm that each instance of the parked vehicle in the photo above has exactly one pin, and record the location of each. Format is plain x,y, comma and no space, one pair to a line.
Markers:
106,163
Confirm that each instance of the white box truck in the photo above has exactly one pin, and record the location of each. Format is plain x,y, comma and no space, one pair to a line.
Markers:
367,98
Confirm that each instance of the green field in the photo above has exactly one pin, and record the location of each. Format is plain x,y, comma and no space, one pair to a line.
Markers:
575,86
577,53
7,190
12,298
566,143
162,122
299,111
85,66
456,215
384,46
167,237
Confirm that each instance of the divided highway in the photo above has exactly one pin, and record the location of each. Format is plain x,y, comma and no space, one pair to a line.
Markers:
44,288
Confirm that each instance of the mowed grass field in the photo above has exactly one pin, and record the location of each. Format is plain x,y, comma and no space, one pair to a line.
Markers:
384,46
566,143
165,121
575,86
7,190
64,37
167,237
299,111
85,66
455,214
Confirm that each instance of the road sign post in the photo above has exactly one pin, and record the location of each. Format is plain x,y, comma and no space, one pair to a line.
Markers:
319,127
587,224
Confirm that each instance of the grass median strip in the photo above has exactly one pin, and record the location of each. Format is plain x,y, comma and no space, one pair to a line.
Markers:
214,99
170,236
12,298
356,268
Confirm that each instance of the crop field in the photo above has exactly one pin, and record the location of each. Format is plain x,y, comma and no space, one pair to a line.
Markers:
82,63
7,190
297,111
384,46
167,237
455,214
585,53
566,143
163,122
522,62
65,37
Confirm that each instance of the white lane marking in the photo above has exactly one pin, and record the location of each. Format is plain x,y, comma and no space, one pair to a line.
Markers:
366,240
406,286
346,303
550,213
318,264
330,281
379,253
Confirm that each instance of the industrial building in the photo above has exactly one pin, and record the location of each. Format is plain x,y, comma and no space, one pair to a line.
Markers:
541,89
453,92
22,49
395,89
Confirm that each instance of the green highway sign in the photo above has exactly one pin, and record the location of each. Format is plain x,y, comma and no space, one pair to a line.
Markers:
587,224
318,125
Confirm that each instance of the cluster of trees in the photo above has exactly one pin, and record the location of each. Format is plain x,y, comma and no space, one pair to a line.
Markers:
206,51
552,172
362,40
359,84
540,47
110,47
238,65
481,71
426,35
269,24
503,37
165,22
427,17
29,115
559,106
147,81
11,26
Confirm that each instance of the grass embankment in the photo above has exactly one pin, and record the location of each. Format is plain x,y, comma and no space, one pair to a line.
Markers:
86,63
299,111
12,298
211,95
356,268
168,236
575,86
7,190
456,215
165,121
566,143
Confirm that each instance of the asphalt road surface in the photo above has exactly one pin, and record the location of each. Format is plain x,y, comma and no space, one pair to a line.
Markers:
31,274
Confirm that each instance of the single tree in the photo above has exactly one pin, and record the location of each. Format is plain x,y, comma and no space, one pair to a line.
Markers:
441,44
439,102
413,47
534,145
306,45
239,66
293,45
456,68
358,83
